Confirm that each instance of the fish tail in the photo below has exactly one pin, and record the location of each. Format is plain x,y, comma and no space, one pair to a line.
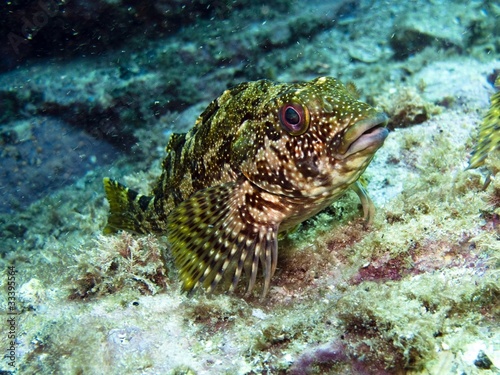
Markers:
127,208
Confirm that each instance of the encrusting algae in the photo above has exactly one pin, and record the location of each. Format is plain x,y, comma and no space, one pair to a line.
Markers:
261,158
489,132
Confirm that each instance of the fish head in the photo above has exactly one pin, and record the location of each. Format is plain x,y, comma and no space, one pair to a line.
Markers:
310,139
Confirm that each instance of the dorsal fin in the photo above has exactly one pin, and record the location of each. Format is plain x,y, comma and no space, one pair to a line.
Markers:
126,207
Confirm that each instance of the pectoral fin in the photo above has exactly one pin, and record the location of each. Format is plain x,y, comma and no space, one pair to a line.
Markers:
217,233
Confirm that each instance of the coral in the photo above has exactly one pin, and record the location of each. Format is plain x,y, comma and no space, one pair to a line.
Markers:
119,262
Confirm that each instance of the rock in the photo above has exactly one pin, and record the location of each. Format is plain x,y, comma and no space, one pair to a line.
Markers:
42,155
414,31
482,361
365,50
32,295
76,28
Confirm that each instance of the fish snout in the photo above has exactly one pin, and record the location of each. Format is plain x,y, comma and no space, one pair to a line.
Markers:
366,135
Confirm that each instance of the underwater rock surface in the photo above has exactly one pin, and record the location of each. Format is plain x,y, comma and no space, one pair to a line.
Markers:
42,155
416,293
51,28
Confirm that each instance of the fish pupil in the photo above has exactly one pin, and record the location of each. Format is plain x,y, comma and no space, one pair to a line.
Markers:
292,116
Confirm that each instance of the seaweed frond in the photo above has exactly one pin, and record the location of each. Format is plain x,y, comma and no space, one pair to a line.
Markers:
118,262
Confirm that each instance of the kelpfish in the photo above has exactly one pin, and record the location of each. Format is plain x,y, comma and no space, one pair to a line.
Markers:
489,132
261,158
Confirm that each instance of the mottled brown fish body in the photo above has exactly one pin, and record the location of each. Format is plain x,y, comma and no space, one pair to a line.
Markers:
262,158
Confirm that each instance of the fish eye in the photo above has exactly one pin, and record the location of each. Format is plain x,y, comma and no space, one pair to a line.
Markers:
294,118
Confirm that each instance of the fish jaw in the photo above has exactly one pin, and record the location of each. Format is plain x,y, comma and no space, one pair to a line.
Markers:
366,136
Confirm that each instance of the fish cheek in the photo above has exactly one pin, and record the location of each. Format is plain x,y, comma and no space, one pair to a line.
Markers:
308,167
246,144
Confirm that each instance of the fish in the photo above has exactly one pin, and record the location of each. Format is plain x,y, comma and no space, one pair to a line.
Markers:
260,159
489,132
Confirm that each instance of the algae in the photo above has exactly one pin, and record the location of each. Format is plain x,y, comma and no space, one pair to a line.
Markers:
120,262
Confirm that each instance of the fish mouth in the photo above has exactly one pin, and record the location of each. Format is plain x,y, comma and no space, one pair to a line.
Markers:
368,134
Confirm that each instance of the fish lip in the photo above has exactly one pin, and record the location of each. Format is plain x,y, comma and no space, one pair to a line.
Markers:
367,133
